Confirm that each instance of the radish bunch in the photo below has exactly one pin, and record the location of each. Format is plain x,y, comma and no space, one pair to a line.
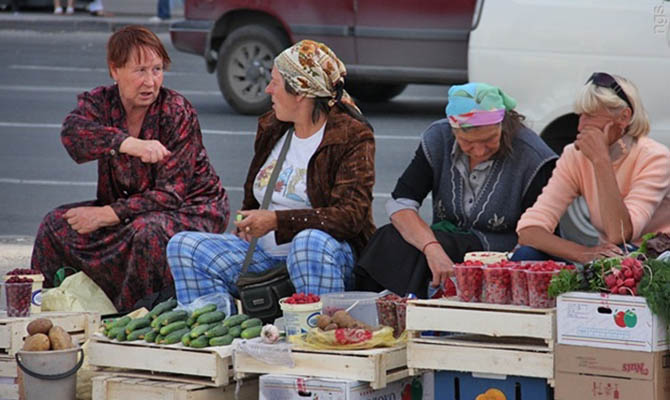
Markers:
624,279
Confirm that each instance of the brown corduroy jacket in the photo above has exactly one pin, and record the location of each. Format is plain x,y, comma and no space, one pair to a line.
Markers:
340,177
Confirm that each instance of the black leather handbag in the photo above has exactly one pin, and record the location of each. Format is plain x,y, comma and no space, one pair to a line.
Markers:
260,292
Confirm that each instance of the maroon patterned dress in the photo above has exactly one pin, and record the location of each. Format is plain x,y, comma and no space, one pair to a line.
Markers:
153,201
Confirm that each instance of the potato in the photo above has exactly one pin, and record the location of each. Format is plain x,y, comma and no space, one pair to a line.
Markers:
343,319
40,325
323,321
330,327
60,339
37,342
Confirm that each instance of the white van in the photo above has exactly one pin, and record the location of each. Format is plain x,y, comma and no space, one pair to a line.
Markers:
542,51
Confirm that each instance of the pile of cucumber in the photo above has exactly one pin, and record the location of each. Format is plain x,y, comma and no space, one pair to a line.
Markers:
204,327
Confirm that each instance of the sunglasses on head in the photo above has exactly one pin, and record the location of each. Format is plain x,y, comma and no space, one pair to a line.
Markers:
603,79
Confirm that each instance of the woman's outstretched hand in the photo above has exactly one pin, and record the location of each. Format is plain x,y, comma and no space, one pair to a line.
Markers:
149,151
439,263
256,223
88,219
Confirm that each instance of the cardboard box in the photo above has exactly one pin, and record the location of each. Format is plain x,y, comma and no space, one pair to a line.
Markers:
602,374
609,321
282,387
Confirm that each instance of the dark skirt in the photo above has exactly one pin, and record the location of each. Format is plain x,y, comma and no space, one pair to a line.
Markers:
389,262
127,261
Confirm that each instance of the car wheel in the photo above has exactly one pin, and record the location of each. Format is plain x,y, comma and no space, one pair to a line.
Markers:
244,67
374,92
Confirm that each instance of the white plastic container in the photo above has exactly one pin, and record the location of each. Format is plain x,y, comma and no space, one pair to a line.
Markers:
299,318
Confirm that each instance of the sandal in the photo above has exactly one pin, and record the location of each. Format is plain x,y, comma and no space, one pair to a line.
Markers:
69,11
58,10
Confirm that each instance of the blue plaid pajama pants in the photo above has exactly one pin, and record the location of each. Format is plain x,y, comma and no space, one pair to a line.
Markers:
204,263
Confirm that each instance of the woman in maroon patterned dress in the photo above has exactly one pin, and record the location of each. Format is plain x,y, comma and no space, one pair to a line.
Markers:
154,177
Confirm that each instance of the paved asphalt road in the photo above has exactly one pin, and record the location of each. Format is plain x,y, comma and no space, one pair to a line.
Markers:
41,74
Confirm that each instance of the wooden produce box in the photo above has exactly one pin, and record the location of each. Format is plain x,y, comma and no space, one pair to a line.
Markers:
487,339
9,385
79,325
377,366
114,387
211,366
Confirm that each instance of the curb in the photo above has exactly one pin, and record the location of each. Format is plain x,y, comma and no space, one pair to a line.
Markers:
48,23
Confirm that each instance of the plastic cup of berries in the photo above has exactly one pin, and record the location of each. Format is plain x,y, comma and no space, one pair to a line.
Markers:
386,311
37,279
18,291
497,283
401,315
519,284
539,277
469,281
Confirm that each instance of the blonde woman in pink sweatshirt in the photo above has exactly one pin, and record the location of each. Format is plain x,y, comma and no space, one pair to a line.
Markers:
623,175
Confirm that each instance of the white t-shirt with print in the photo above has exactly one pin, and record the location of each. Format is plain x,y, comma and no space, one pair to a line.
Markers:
290,191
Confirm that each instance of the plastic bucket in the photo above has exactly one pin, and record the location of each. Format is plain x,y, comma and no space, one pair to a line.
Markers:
299,318
36,295
50,374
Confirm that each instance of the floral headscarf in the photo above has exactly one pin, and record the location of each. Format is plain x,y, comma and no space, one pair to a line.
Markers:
312,69
477,104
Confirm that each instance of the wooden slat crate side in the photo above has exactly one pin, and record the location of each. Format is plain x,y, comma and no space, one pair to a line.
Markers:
5,336
8,368
160,360
123,388
480,360
484,322
9,391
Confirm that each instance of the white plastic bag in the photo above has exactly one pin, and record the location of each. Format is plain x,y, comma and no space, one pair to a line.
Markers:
221,300
77,292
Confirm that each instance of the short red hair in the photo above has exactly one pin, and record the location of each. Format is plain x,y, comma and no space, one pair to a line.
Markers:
123,42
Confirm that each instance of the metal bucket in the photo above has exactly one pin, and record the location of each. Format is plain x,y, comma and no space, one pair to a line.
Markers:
50,374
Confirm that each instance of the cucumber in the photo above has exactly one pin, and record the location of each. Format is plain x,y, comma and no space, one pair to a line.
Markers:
115,331
107,323
216,330
200,342
138,334
151,336
172,316
175,326
235,331
121,336
159,338
154,323
199,330
211,317
251,332
190,321
137,323
251,322
121,322
163,307
186,339
235,320
204,310
175,337
224,340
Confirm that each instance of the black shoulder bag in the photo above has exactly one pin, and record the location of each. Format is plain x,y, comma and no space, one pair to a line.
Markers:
260,292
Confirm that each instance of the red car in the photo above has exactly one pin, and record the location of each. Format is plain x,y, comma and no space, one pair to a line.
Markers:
385,44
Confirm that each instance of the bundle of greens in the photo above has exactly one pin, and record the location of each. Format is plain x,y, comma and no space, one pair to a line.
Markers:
655,287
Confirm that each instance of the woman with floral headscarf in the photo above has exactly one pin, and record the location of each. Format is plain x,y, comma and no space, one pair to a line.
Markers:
320,215
483,168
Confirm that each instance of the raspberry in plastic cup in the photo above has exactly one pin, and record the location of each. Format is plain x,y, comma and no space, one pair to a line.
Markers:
519,284
386,312
401,314
18,292
469,281
497,284
538,283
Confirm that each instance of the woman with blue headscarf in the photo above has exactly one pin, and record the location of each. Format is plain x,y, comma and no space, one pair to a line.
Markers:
483,168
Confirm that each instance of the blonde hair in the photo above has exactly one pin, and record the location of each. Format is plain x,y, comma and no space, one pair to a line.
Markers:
592,98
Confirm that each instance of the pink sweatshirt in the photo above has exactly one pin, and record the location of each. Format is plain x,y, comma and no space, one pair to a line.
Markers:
643,176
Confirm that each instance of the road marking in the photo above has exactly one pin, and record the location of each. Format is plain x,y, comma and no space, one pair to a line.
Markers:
82,69
47,182
71,89
215,132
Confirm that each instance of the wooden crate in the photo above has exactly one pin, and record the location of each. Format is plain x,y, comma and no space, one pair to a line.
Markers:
377,366
113,387
13,330
9,384
210,366
489,339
